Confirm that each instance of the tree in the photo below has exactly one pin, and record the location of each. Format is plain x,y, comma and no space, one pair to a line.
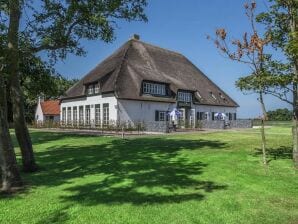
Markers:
9,175
57,28
16,93
282,25
250,51
280,115
39,78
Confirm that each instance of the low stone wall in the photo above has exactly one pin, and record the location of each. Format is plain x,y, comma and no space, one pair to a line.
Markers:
241,123
212,124
158,126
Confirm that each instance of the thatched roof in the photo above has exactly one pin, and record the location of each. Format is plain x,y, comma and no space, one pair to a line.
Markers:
124,71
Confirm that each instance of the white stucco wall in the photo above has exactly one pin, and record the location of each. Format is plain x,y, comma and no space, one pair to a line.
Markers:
216,109
92,100
143,111
132,110
38,113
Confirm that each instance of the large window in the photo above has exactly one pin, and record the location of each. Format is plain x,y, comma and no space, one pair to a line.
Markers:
64,115
97,114
154,88
184,96
87,114
75,114
68,115
81,114
105,108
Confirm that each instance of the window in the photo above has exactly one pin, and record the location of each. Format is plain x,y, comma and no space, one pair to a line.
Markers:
90,89
96,88
213,116
161,115
201,116
81,115
68,115
75,114
222,96
235,116
184,96
97,114
198,95
64,115
154,88
105,108
87,114
212,95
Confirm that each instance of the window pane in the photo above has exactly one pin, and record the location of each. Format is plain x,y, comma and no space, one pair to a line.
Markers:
106,118
87,114
97,114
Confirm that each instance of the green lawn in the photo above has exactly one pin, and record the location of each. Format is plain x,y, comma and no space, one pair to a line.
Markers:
187,178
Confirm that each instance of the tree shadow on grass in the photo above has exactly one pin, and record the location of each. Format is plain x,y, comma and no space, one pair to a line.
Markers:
137,171
281,152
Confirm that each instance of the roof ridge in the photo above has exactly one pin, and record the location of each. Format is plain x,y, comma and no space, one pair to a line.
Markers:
155,46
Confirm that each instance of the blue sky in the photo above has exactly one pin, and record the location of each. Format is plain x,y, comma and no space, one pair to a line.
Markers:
182,25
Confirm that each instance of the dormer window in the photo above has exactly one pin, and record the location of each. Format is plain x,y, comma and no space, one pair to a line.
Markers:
92,89
212,95
198,95
184,96
96,88
222,96
154,88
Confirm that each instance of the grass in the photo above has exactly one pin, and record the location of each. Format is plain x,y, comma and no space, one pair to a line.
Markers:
186,178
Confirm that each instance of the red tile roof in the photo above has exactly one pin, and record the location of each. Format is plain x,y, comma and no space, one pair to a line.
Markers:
50,107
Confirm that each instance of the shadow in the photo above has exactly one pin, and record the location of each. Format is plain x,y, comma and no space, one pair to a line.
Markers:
137,171
59,216
281,152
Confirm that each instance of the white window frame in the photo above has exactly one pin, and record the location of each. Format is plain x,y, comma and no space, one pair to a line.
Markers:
81,114
64,115
87,114
69,115
97,114
96,88
105,113
90,89
154,88
184,96
161,115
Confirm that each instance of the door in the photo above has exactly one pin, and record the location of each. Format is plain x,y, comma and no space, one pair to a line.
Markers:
192,113
182,118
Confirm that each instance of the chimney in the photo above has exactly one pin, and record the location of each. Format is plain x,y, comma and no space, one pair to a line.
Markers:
40,99
135,37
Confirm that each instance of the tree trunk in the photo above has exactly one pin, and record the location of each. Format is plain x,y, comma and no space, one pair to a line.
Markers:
264,117
10,175
295,119
294,37
21,129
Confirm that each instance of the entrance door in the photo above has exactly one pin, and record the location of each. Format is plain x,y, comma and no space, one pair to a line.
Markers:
192,118
182,118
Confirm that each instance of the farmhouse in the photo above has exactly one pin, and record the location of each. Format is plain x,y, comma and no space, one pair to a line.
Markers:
140,82
48,110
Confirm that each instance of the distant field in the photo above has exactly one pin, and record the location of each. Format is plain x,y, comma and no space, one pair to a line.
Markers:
273,123
185,178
